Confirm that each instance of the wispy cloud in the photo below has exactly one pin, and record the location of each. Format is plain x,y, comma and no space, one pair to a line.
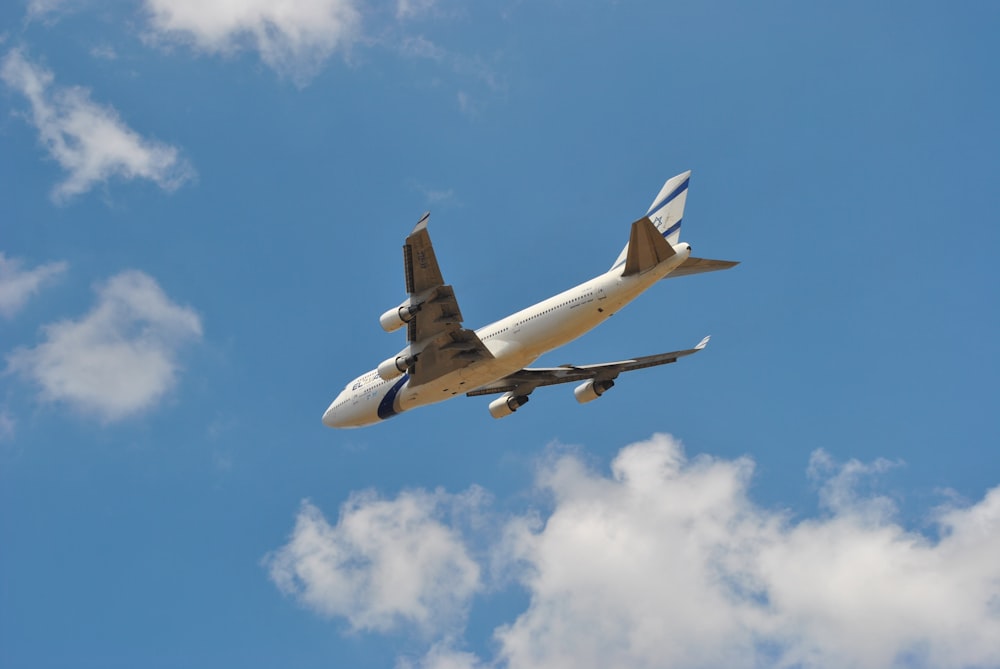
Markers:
119,358
465,103
432,196
18,285
385,562
408,9
104,52
840,483
39,9
667,562
88,140
293,38
471,69
7,425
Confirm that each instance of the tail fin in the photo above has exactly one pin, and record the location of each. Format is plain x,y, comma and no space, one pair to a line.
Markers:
666,211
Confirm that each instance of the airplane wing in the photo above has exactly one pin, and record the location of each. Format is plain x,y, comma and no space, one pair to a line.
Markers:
435,331
526,380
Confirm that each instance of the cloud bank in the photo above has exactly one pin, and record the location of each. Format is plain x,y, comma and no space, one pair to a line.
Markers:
18,285
293,38
119,358
88,140
667,562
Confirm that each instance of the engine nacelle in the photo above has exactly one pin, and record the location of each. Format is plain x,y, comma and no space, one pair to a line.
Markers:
393,367
396,318
507,404
591,390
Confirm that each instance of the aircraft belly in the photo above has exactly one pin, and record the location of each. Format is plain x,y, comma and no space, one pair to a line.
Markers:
455,383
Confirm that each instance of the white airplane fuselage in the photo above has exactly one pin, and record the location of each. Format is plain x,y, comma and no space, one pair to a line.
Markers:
515,342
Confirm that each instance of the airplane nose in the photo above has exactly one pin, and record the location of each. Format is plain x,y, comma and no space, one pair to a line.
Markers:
344,412
330,415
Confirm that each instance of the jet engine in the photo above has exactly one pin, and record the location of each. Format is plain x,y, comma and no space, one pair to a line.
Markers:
591,390
507,404
393,367
396,318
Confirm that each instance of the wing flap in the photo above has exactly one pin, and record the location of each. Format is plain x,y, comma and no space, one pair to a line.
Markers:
450,351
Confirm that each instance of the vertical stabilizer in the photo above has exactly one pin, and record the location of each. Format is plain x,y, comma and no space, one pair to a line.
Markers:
666,211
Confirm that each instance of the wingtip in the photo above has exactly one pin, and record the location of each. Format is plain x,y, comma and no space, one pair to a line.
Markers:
422,223
703,343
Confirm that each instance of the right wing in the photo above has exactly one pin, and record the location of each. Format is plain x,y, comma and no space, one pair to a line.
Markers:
524,381
435,332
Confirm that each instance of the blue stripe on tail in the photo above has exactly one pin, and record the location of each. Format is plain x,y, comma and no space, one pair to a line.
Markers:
669,198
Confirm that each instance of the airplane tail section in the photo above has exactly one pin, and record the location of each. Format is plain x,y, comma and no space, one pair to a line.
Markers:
666,212
667,209
646,248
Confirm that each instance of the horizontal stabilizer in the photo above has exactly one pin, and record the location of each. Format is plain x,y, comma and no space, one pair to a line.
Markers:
646,248
699,265
666,212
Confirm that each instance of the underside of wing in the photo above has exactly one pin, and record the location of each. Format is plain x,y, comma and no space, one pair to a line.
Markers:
450,351
526,380
435,330
422,271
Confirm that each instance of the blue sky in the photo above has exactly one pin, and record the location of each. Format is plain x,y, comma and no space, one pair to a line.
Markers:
201,215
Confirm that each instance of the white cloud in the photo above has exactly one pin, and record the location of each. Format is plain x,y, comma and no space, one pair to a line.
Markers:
638,570
292,37
668,563
443,656
118,359
385,562
88,140
839,486
18,285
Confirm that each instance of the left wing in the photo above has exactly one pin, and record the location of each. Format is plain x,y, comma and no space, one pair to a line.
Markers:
435,331
523,382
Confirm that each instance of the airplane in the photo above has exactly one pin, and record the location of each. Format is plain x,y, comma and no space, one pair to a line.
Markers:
443,359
